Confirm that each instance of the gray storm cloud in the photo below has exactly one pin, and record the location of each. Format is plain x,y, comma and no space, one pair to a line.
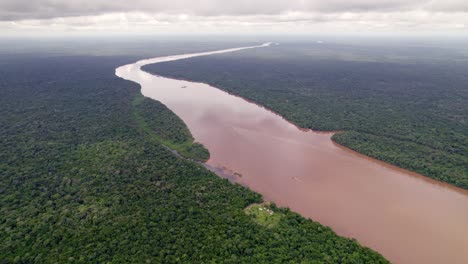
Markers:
150,15
11,10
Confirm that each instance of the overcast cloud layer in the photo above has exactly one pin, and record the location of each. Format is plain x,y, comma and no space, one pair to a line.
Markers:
233,16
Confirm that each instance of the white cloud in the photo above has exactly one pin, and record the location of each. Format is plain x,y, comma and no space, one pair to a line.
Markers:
270,16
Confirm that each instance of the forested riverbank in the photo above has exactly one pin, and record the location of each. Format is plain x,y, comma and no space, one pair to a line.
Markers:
408,109
85,178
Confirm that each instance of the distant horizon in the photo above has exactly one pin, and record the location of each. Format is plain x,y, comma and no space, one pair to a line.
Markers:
196,35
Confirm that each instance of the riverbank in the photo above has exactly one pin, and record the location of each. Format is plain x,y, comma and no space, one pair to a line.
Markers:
400,113
309,173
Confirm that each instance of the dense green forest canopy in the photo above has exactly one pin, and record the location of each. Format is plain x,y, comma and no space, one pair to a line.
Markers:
405,105
83,179
166,128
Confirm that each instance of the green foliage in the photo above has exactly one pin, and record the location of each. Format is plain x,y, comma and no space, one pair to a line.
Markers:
167,128
81,181
408,108
429,161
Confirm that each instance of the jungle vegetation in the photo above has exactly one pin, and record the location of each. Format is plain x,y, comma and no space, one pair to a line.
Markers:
85,178
404,105
160,123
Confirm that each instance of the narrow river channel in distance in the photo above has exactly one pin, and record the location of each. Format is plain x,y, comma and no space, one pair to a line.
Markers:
406,217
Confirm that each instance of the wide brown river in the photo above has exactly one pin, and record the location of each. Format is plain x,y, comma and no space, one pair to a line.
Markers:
406,217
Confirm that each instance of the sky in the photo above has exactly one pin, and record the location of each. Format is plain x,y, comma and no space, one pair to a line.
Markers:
49,17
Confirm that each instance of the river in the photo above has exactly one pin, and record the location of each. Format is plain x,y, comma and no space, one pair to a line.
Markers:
406,217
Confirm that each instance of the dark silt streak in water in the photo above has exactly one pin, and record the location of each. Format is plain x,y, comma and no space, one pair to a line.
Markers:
406,217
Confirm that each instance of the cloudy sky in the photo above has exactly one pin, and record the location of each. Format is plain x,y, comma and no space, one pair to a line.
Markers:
237,16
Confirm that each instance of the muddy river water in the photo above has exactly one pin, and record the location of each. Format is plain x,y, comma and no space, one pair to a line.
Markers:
406,217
